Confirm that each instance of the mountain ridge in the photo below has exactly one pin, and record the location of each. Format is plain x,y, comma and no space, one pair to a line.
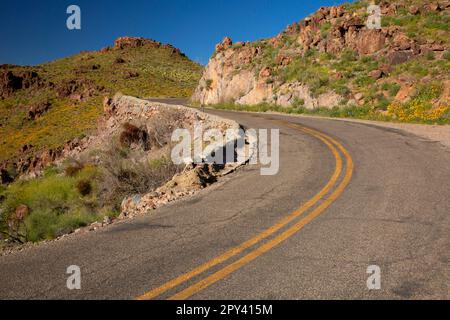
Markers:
49,107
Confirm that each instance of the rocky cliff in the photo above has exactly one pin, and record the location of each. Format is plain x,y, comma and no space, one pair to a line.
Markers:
331,58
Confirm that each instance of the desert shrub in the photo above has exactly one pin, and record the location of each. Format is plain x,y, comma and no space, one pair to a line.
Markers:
319,84
84,187
161,127
73,168
348,55
340,87
447,54
355,5
119,60
133,175
382,103
392,88
208,84
48,224
325,28
436,21
429,91
326,56
310,53
364,81
10,173
298,102
430,55
354,111
134,135
316,76
55,206
419,69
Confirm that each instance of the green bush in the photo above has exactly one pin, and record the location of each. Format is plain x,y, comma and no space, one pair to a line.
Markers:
392,88
447,54
348,56
364,81
325,28
48,224
54,202
84,187
436,21
298,102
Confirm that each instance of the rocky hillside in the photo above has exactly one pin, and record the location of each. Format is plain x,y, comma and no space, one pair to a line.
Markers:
121,170
47,108
332,60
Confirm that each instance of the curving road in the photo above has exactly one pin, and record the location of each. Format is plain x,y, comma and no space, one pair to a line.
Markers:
348,195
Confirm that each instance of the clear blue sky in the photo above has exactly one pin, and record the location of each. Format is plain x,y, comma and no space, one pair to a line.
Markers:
34,31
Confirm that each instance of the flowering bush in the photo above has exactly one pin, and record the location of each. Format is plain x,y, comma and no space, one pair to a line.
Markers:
420,108
417,110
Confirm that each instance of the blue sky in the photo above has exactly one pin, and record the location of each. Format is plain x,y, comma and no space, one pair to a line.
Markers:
34,31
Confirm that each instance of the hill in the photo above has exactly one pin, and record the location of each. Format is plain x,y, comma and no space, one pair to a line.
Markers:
44,107
331,63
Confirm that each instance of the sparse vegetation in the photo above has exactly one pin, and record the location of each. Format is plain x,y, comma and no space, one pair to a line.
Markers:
418,110
142,71
55,203
375,74
93,186
63,200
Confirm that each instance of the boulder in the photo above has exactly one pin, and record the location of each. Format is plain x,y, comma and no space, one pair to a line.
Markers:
224,45
404,94
385,69
119,60
433,6
397,57
376,74
401,41
336,12
37,110
414,10
265,73
292,29
358,96
9,83
370,41
283,60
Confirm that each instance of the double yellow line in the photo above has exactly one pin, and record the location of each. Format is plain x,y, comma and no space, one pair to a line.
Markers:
335,147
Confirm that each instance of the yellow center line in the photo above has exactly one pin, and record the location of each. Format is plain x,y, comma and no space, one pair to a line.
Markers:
266,233
199,286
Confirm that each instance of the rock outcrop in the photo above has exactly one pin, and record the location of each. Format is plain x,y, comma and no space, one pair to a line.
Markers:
11,82
136,42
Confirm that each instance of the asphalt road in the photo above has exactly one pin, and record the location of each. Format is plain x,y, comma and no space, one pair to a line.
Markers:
385,203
